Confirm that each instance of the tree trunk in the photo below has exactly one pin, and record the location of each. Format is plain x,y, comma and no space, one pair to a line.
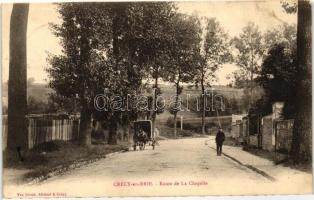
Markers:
125,135
175,124
17,88
128,131
175,110
203,108
301,149
85,126
251,80
154,104
113,126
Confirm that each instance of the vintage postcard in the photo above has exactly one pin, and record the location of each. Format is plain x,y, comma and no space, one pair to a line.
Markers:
161,98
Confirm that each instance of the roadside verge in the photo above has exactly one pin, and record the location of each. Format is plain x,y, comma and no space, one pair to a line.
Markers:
56,158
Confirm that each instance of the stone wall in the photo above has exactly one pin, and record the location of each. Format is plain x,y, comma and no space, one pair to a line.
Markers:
284,135
267,133
254,140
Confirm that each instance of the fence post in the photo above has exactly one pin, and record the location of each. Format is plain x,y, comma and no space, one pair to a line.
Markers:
181,119
275,127
260,136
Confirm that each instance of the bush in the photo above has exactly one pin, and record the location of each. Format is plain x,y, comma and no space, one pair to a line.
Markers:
169,122
196,127
186,133
49,146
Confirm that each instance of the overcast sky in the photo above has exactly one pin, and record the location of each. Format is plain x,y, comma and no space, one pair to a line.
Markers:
233,15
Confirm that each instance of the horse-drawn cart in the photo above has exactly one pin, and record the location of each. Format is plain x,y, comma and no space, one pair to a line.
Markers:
143,134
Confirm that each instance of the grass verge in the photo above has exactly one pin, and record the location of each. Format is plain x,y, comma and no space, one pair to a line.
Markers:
168,132
59,155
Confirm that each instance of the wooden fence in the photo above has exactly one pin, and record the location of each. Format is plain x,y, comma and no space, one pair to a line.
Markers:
44,128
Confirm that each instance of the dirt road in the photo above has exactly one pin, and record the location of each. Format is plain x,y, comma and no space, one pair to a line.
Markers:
175,167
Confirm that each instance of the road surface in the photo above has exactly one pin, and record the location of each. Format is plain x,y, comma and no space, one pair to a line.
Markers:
175,167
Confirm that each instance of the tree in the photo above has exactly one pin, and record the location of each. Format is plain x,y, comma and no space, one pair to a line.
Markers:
277,74
58,103
157,41
185,55
17,94
278,71
238,79
35,106
290,6
215,53
124,49
76,72
107,47
249,46
140,39
301,149
285,35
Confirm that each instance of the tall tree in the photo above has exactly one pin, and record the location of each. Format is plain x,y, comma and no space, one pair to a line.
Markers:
83,30
127,30
157,42
185,55
277,74
249,46
215,53
17,98
285,35
107,46
301,149
278,70
140,40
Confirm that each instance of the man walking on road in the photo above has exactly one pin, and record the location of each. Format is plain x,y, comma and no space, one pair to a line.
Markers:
220,137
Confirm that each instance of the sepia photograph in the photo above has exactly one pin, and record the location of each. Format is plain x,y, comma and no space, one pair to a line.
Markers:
156,98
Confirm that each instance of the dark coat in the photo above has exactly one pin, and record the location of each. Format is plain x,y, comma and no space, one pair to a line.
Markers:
220,137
